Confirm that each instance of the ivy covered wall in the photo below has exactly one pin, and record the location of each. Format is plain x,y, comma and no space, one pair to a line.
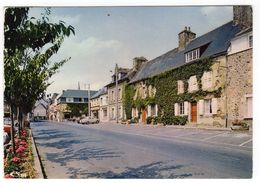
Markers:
166,89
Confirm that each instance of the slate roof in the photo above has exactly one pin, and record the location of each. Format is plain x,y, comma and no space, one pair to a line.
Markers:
216,43
100,92
77,93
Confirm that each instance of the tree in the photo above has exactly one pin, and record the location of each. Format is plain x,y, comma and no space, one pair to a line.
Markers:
26,65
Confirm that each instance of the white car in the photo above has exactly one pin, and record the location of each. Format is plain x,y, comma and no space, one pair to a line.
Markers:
89,120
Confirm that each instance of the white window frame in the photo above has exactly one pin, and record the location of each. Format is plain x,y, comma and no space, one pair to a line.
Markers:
208,107
181,108
192,55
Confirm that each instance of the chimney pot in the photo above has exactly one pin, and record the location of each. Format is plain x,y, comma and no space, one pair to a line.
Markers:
185,37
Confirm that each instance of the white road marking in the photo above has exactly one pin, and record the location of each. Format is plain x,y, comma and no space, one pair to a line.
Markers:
211,137
245,142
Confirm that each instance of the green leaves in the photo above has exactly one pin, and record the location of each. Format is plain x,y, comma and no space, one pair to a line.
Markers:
27,66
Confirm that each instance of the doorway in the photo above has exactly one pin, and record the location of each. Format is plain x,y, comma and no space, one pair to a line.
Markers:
194,112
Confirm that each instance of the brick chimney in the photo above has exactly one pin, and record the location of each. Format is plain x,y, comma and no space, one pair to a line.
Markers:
137,62
242,16
185,37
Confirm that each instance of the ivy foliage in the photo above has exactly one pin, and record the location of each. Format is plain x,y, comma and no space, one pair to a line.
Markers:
166,90
128,95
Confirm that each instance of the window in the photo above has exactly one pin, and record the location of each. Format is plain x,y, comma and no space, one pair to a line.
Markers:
119,112
119,93
250,41
180,87
113,97
192,55
249,108
207,80
181,108
104,113
208,106
153,110
193,85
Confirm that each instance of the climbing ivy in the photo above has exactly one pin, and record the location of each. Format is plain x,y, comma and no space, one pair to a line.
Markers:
166,89
128,96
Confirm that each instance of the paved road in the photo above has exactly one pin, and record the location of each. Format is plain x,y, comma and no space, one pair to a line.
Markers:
106,150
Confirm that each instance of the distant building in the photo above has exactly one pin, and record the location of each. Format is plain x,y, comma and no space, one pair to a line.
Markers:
71,96
52,107
40,110
99,104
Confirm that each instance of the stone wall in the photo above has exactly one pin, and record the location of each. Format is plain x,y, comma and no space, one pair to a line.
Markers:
239,83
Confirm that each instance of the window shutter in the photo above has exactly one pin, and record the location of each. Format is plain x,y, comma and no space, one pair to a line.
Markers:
201,107
133,115
176,109
156,110
186,108
214,104
149,110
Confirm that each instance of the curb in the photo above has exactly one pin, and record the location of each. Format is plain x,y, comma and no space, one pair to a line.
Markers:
201,128
37,160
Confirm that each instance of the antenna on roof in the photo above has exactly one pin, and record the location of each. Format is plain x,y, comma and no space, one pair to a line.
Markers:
78,86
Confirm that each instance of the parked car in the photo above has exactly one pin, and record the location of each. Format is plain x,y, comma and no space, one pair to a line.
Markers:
89,120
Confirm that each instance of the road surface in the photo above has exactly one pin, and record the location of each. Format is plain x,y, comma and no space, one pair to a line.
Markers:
108,150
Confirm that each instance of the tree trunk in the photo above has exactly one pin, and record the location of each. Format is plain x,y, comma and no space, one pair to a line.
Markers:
12,129
20,119
19,122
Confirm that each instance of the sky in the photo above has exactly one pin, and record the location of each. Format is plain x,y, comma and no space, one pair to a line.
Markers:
105,36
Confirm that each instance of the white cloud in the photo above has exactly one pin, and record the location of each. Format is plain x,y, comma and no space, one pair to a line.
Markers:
69,20
216,14
91,61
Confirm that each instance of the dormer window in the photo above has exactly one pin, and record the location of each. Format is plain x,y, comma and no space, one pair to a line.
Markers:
192,55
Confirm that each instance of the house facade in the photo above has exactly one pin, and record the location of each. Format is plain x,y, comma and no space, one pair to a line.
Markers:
72,97
53,107
190,81
124,76
240,71
98,106
103,98
40,110
113,99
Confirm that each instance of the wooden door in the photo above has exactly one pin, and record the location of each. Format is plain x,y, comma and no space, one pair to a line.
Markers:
143,115
194,112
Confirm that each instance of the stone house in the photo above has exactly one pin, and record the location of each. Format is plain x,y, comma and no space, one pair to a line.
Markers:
240,70
72,97
198,88
124,76
103,98
96,102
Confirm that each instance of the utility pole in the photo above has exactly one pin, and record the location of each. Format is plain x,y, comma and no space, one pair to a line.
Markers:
116,72
89,100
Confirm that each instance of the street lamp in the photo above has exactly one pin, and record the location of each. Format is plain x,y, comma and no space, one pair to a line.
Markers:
89,100
116,72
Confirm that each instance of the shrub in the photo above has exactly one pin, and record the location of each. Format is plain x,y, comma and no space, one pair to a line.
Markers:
156,120
134,120
149,120
175,120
